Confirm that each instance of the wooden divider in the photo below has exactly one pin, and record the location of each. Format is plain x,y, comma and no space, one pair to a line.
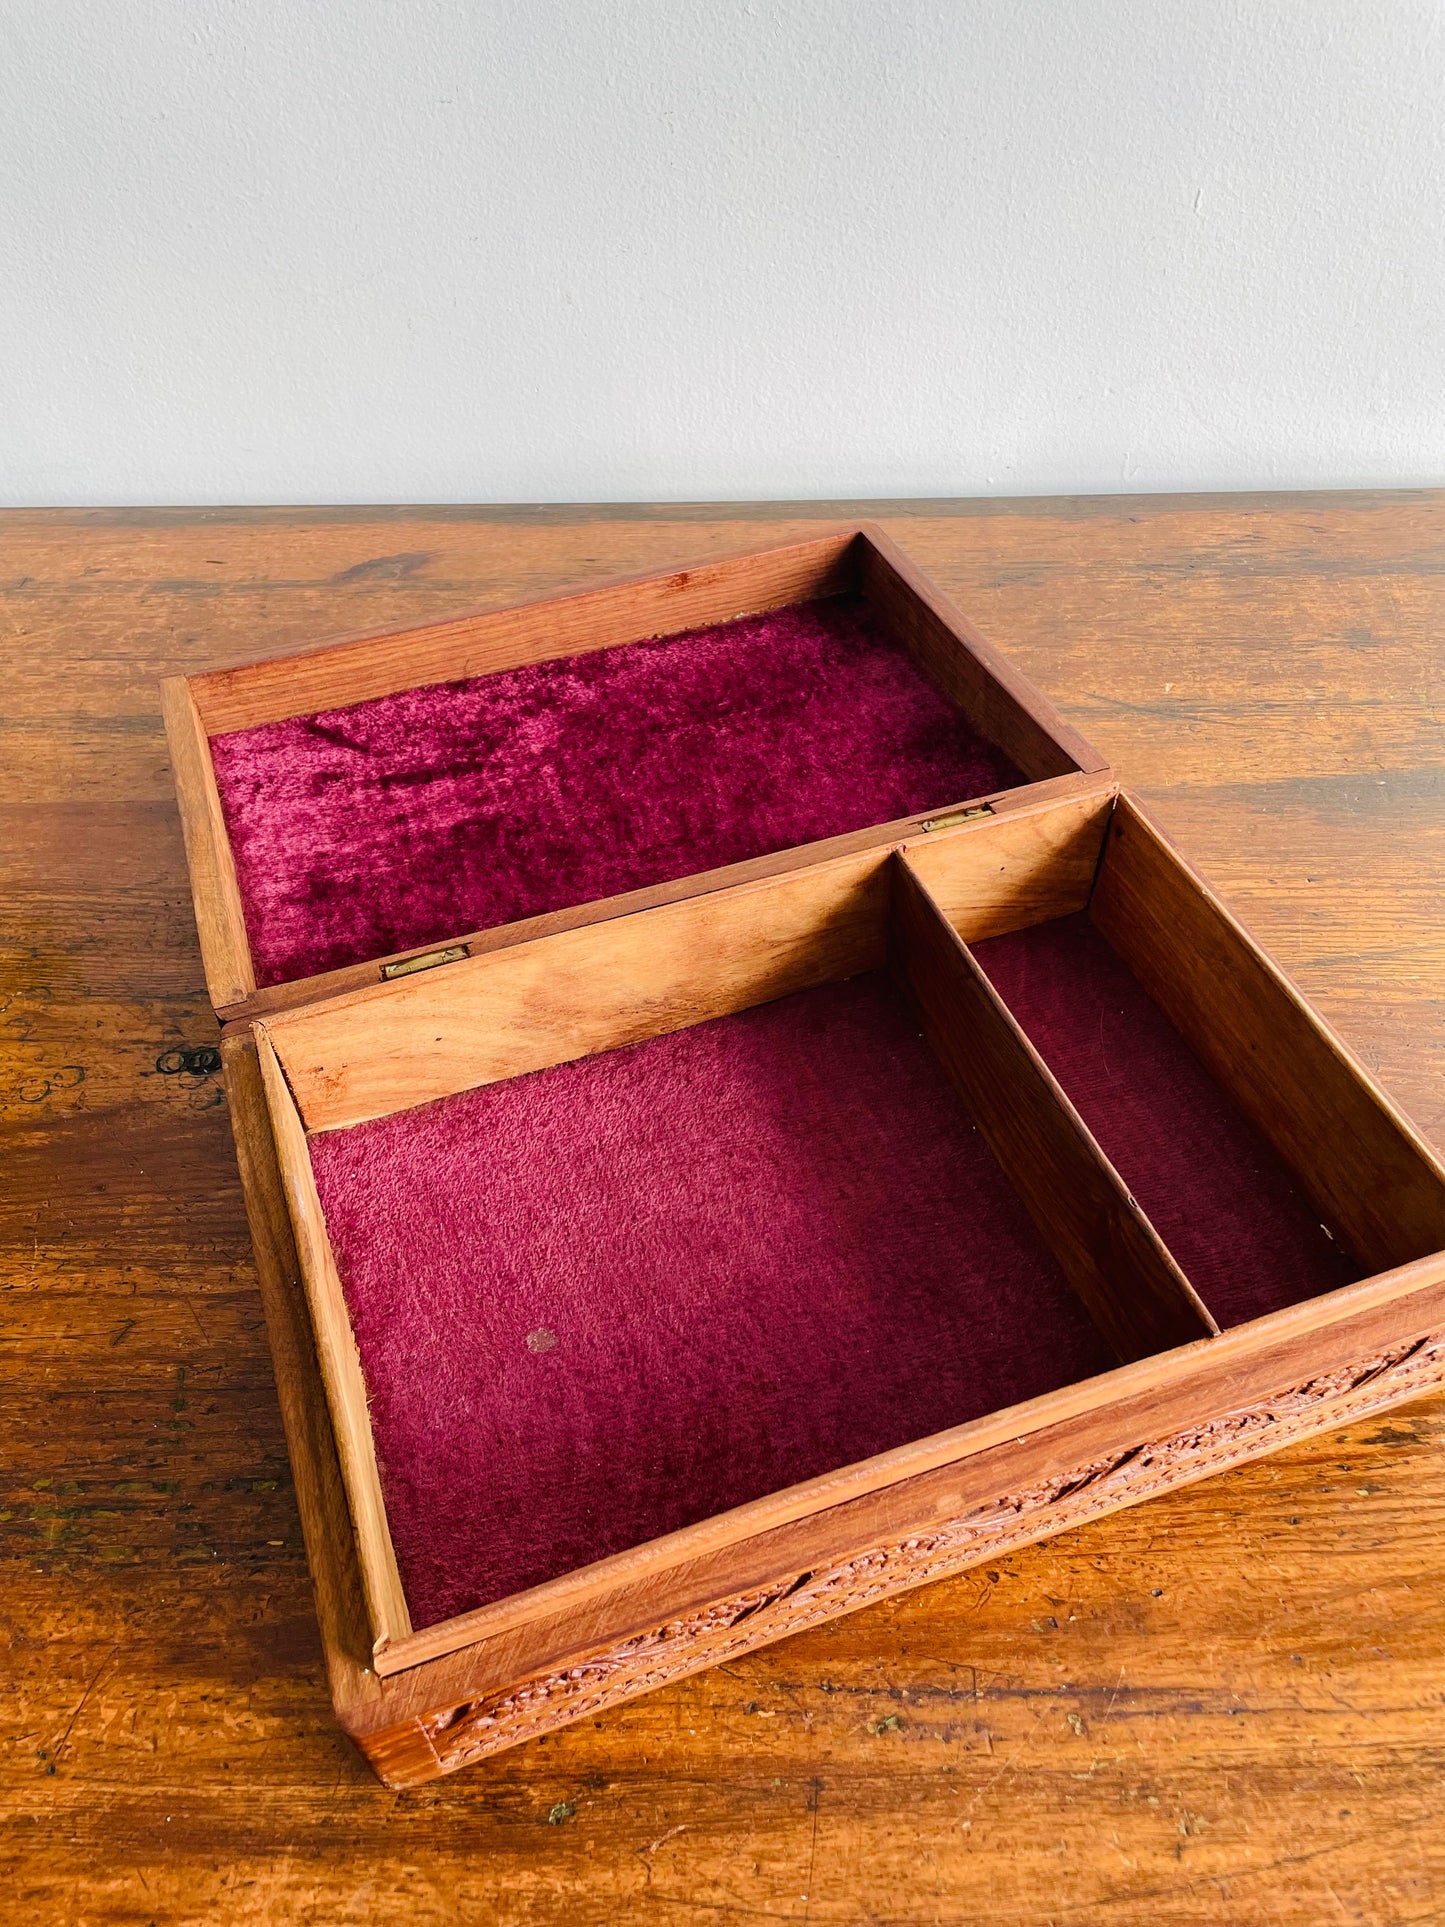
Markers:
1105,1245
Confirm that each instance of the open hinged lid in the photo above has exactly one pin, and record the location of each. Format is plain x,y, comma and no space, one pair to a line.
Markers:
400,801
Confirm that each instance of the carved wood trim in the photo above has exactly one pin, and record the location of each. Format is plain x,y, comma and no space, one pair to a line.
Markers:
457,1735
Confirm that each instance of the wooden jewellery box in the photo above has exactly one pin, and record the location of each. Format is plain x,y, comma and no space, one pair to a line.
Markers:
666,1273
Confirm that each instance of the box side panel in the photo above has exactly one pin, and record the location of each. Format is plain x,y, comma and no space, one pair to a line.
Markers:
1028,803
586,990
1010,709
338,1358
215,892
1365,1166
759,1542
993,876
316,1471
625,610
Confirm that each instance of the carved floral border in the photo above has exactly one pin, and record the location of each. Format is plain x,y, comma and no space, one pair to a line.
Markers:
458,1735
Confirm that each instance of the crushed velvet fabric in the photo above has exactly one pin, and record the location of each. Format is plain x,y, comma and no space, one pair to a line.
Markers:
1217,1192
417,817
599,1302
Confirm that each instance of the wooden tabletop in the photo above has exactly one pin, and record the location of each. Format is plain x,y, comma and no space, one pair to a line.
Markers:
1223,1706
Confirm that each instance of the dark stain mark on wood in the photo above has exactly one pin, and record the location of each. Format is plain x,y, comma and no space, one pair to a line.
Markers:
384,568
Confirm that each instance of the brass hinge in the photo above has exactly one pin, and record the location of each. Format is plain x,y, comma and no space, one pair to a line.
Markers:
428,960
956,816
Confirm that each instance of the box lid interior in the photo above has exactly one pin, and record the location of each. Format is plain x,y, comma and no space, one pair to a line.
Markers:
408,819
595,751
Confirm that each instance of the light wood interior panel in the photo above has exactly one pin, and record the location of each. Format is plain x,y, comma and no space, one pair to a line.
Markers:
475,645
1105,1245
333,983
394,1045
1005,873
1366,1168
339,1360
994,695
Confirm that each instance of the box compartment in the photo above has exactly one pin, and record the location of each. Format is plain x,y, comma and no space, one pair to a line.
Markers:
1264,1155
600,1302
1228,1206
370,807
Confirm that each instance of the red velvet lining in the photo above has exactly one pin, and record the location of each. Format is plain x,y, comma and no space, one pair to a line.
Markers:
602,1301
1217,1192
463,805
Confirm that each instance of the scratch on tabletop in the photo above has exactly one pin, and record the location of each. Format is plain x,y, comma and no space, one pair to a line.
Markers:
663,1838
815,1799
94,1682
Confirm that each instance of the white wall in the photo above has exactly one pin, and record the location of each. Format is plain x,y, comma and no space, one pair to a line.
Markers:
404,250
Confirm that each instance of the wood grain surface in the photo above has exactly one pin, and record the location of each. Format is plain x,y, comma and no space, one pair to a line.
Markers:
1223,1706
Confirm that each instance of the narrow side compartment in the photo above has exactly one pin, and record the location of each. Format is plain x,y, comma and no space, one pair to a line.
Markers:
1272,1167
1105,1245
